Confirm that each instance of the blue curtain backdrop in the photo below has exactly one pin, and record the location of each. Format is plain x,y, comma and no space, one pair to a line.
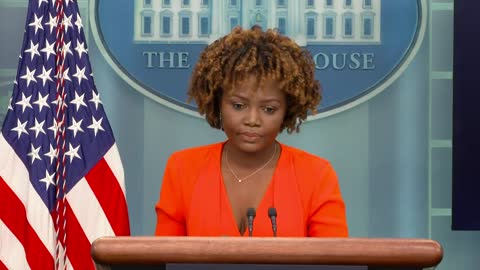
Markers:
466,130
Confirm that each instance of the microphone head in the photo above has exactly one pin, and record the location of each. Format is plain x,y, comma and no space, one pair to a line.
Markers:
250,212
272,212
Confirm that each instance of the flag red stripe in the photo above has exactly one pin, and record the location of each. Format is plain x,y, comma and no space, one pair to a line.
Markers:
78,246
14,216
109,194
2,266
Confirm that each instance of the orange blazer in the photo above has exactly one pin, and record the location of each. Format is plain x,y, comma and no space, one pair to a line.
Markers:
304,190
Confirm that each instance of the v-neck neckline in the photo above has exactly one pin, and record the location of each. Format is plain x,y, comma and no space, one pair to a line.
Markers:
210,214
261,207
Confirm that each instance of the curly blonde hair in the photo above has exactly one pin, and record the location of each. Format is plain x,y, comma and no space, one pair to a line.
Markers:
242,53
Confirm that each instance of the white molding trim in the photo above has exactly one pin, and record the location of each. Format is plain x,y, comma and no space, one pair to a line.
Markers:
442,6
442,75
441,143
441,212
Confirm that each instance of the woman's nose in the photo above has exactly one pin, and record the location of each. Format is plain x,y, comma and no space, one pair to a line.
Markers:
253,117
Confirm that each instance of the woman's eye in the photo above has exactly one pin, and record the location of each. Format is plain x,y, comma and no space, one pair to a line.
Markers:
269,110
238,106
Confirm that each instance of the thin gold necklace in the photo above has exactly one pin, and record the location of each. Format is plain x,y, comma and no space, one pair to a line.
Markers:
253,173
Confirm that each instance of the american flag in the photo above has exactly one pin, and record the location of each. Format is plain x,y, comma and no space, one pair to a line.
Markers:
61,177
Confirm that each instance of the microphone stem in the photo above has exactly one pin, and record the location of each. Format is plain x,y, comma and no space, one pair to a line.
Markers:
250,217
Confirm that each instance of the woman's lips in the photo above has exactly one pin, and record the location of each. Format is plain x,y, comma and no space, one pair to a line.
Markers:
250,136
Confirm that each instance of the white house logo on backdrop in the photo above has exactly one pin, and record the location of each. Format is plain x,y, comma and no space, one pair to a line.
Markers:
359,46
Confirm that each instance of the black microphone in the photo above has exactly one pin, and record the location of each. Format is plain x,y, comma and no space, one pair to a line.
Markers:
250,217
272,213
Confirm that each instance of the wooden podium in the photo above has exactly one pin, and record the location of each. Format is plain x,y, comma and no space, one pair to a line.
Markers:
151,252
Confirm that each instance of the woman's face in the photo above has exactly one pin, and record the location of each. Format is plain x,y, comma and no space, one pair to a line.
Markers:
252,117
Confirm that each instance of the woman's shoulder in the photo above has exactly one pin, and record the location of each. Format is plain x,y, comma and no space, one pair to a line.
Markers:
312,172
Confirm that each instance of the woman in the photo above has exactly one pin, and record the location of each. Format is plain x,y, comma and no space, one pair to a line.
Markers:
252,85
